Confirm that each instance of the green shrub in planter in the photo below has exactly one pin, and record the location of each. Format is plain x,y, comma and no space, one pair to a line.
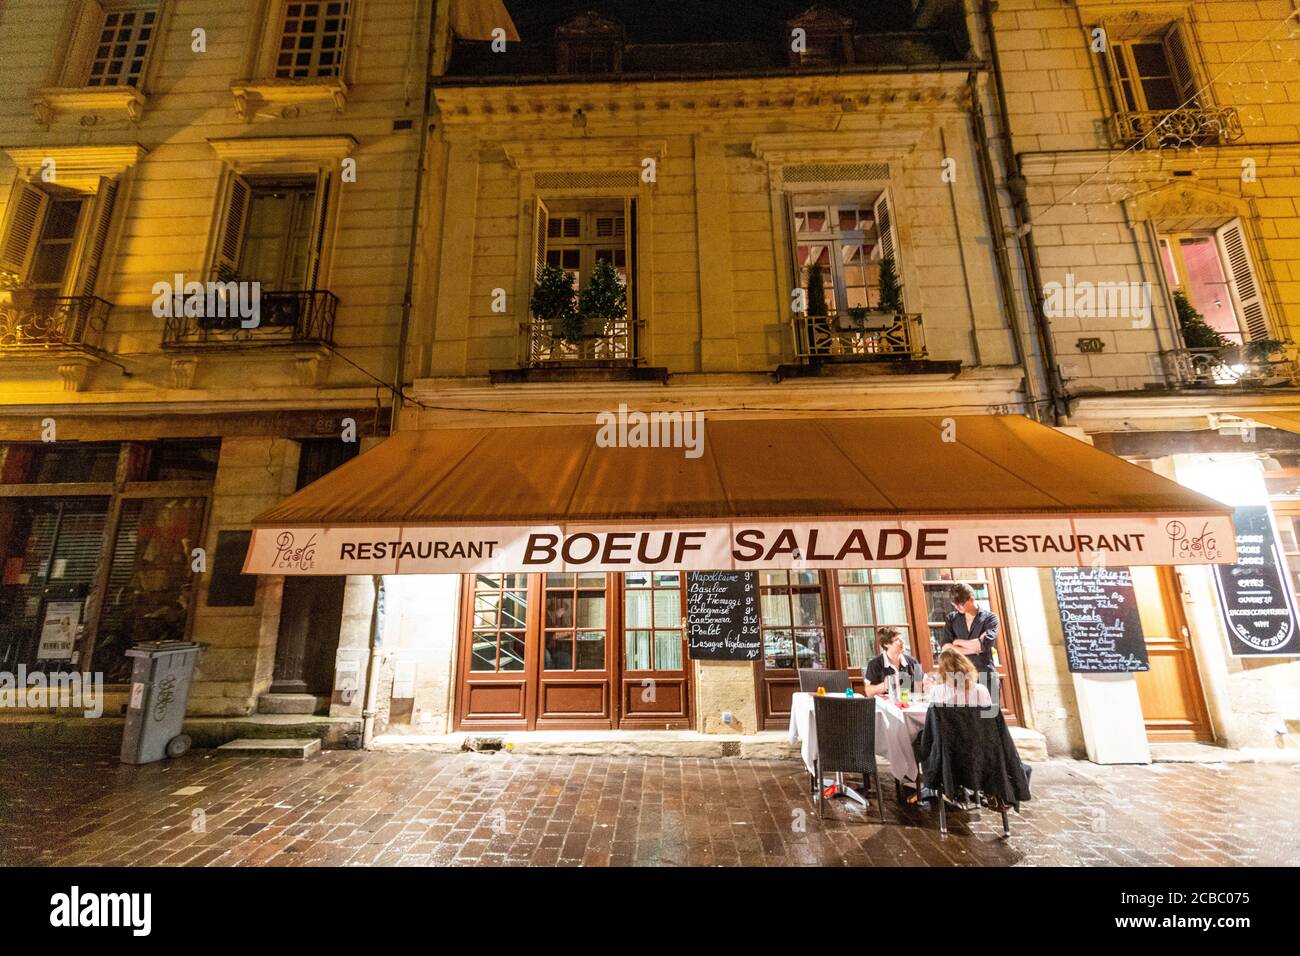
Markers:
605,298
554,300
1197,333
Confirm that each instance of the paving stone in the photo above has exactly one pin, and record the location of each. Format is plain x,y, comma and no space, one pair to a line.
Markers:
500,809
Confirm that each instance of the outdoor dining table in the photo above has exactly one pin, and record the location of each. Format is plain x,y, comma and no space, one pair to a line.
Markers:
895,729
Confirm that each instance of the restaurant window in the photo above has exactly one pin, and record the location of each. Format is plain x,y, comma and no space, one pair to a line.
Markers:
500,622
870,600
121,49
936,585
150,583
847,238
313,39
574,636
1215,272
793,622
652,620
1152,73
50,550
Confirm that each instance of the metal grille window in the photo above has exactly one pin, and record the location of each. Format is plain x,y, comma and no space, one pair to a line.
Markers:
313,40
119,56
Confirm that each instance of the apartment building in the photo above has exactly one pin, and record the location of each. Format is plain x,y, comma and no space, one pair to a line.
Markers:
1154,162
149,150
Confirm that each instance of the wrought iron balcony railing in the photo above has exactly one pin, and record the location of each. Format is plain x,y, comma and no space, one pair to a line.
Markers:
881,336
609,344
284,318
30,323
1208,368
1178,129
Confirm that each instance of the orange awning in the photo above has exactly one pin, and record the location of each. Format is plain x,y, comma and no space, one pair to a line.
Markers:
968,491
1287,421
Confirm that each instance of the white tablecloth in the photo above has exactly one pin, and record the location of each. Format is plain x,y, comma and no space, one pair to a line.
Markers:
895,729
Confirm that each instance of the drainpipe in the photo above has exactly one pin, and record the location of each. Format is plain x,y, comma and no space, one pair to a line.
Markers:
1018,188
1002,258
371,705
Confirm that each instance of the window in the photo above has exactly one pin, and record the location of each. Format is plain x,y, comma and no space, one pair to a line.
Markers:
1215,272
24,463
847,239
576,239
652,620
574,637
589,43
1288,529
793,623
122,47
54,240
273,231
1153,73
870,600
313,39
500,619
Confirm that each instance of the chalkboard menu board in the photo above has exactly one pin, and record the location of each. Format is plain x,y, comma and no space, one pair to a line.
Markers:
1099,615
722,616
1257,606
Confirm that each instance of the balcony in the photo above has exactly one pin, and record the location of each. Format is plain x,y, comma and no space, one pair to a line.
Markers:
877,343
606,352
1178,129
32,325
286,318
1226,368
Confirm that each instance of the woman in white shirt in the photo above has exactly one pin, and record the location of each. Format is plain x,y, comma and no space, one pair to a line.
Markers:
959,682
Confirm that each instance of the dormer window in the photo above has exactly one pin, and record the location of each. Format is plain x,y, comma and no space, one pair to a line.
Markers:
589,44
820,37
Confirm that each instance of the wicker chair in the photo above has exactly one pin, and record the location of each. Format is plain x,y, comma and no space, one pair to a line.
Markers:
835,682
992,753
846,743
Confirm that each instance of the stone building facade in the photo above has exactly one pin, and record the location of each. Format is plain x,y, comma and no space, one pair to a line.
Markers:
148,146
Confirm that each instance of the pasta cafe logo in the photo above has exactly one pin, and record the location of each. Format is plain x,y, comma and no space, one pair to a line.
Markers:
1190,545
290,555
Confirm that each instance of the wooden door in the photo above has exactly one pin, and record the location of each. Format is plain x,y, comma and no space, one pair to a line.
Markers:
311,613
496,656
575,665
1172,703
930,607
796,636
654,679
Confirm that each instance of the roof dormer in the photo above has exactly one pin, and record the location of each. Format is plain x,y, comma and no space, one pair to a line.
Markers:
826,40
589,43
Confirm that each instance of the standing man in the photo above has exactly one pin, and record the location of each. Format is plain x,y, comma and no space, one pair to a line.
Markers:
972,631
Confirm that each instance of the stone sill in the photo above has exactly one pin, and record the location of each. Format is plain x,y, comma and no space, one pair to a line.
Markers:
53,101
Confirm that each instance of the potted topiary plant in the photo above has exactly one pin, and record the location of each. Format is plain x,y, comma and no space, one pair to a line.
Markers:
886,315
604,300
816,291
554,301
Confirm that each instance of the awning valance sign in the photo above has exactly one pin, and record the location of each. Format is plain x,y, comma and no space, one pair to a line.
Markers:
766,493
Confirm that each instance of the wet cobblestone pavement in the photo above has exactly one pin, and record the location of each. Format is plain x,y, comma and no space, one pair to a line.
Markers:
79,806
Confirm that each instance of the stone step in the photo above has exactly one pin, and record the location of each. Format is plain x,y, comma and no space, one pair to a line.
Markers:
300,748
304,704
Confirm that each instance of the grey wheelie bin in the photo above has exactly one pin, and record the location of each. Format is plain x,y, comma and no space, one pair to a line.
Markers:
160,688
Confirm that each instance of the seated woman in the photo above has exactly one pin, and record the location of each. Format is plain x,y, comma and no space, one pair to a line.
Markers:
891,661
959,682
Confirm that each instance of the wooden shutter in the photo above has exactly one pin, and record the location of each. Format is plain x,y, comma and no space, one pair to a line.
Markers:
27,209
95,238
1178,52
319,231
234,223
541,221
793,238
883,212
1110,54
1246,289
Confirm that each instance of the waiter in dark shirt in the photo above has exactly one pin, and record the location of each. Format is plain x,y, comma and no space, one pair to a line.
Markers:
889,662
973,631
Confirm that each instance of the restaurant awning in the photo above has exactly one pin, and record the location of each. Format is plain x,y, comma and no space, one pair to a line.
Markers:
856,492
1287,421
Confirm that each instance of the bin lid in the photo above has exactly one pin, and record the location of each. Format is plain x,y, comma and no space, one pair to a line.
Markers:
158,648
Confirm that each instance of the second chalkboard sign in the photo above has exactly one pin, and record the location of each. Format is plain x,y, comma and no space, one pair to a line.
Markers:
722,616
1099,615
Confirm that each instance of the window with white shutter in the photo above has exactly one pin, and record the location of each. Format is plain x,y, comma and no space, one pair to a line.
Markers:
27,208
